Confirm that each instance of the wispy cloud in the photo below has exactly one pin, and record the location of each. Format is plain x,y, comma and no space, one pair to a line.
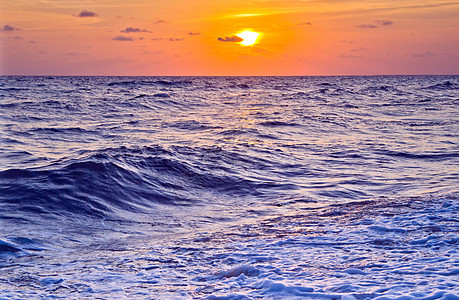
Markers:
304,23
159,21
246,15
194,33
420,6
231,39
87,14
259,50
357,50
122,38
423,55
347,42
366,26
76,54
153,52
365,8
303,6
348,56
175,39
134,30
233,16
379,22
384,22
8,28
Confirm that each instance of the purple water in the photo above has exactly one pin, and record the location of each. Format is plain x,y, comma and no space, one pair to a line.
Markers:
229,187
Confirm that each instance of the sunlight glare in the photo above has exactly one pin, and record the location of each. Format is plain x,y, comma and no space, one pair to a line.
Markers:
248,37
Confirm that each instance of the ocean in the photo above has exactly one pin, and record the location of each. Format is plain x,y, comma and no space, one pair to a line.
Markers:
229,187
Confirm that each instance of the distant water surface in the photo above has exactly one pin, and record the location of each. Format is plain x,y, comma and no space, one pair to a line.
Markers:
229,187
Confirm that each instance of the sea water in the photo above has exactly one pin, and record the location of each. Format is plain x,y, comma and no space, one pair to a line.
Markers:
229,187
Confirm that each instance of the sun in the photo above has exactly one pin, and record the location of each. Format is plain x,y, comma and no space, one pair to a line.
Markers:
248,37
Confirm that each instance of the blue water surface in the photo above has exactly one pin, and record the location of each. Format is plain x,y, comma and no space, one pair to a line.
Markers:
229,187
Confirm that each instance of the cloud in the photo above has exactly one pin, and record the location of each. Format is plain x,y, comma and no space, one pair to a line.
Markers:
415,6
157,39
159,21
153,52
133,30
361,49
231,39
379,22
86,13
76,54
304,23
423,55
366,26
175,39
8,28
348,56
384,22
194,33
259,50
123,38
246,15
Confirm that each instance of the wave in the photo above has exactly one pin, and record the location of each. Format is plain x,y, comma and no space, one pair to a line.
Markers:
108,182
192,125
161,95
447,85
94,187
19,246
163,83
13,89
122,83
242,86
381,88
17,104
424,156
278,124
7,247
69,130
325,84
179,83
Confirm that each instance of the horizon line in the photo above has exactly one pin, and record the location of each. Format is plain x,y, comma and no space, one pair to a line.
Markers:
324,75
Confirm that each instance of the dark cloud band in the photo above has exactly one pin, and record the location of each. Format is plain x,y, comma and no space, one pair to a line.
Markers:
231,39
8,28
86,13
134,30
123,38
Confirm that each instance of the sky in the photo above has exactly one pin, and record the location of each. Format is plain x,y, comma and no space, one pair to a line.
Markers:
200,37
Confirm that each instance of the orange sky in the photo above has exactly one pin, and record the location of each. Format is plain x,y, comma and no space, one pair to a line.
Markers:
177,37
